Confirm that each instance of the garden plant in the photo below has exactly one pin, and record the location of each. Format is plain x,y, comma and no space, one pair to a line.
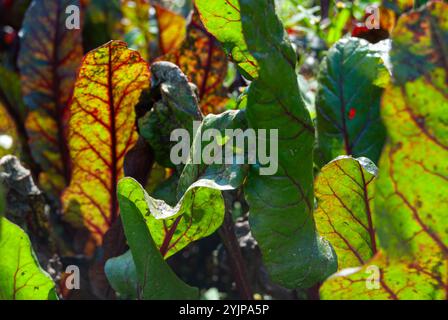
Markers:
121,175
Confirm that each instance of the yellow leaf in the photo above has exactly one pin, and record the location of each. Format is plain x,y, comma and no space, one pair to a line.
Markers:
101,132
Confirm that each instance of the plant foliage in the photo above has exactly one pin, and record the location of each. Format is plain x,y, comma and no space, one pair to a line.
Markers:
356,207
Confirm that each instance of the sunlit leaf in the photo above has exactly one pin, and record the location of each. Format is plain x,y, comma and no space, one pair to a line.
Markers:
49,57
198,213
172,29
204,62
383,278
155,277
21,277
137,25
101,132
411,191
222,19
338,24
140,25
201,184
344,192
200,208
281,204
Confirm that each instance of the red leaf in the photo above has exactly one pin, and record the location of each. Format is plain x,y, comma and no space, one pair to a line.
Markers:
49,57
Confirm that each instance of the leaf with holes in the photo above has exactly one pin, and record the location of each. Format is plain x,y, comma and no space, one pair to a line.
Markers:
223,20
101,132
411,191
49,57
21,277
204,62
344,191
351,83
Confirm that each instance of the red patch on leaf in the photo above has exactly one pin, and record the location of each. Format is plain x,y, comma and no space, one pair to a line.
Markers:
8,35
352,114
8,38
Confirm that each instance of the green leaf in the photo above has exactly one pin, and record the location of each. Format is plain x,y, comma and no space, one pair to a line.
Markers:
281,205
122,276
21,277
198,214
411,192
351,82
413,189
156,279
414,59
222,19
384,278
337,25
344,192
138,27
102,23
199,211
167,190
226,176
